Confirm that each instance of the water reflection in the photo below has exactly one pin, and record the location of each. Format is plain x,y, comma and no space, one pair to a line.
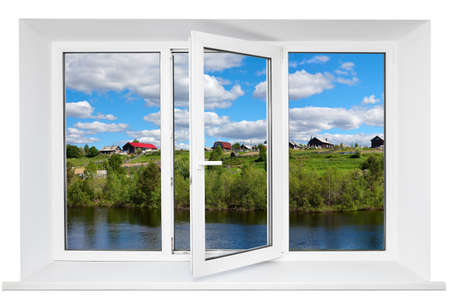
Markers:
113,229
361,230
140,229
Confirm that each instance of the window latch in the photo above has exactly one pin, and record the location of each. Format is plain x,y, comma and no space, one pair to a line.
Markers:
208,163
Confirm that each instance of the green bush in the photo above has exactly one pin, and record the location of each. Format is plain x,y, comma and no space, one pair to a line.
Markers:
80,193
148,187
92,152
73,151
216,154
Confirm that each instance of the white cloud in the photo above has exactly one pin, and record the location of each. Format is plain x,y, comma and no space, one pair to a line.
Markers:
216,96
301,85
242,130
304,122
370,100
261,72
341,72
100,127
183,146
347,69
318,59
348,65
107,116
350,81
76,136
260,90
308,121
215,126
82,109
137,73
154,118
314,119
373,116
219,61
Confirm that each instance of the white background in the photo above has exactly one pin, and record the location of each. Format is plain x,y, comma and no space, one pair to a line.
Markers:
11,11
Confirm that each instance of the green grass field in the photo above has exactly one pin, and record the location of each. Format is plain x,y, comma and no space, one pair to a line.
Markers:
351,179
321,161
312,160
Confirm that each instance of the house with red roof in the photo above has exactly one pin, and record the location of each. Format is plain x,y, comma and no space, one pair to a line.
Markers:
223,145
132,147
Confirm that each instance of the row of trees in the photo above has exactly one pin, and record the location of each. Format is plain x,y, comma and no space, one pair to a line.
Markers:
241,188
245,188
73,151
122,187
333,190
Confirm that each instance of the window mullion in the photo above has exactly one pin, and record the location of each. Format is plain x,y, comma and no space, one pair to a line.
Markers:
166,107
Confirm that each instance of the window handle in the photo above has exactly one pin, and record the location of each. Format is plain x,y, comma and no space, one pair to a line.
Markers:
209,163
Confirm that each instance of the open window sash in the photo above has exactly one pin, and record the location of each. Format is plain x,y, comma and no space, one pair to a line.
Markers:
206,261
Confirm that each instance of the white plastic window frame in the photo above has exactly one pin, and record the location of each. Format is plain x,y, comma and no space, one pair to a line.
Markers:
166,111
277,193
165,49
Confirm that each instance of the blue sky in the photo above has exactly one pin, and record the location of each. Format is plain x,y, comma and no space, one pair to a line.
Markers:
114,98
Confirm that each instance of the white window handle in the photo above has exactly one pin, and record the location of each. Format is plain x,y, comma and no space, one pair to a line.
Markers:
209,163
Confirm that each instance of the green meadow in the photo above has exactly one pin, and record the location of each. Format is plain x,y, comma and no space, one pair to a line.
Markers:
346,179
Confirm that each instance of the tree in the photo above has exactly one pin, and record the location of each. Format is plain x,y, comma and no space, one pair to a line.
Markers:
80,193
262,155
375,166
114,164
216,154
86,150
73,151
135,141
236,147
148,186
92,152
91,169
70,173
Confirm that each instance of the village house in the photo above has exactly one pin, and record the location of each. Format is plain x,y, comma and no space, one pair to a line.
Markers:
376,142
108,150
132,147
293,145
223,145
246,147
101,173
318,143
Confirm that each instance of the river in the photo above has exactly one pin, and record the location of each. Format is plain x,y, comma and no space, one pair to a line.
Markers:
140,229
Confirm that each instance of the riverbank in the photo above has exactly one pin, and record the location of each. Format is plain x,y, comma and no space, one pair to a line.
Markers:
297,210
328,182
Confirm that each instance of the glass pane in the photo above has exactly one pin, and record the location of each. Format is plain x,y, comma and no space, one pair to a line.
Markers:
236,133
112,137
181,149
336,171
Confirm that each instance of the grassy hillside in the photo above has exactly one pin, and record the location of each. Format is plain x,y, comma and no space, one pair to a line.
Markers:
319,180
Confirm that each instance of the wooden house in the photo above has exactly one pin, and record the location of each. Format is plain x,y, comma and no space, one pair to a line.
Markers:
318,143
293,145
108,150
246,147
376,142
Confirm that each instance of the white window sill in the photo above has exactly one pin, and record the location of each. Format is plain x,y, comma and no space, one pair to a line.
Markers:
276,275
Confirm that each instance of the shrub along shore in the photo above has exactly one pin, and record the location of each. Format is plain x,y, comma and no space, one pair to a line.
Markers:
319,181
